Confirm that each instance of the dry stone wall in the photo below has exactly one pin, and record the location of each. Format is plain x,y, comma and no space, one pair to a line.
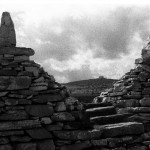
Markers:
37,113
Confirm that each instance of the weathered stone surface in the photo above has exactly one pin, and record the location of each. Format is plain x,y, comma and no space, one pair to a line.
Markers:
39,110
54,127
38,88
44,98
6,147
14,115
101,120
120,129
4,140
26,146
46,145
21,58
25,124
9,133
7,31
145,53
60,106
14,83
127,103
17,51
133,110
101,142
77,146
13,101
145,102
8,73
63,116
78,135
39,133
101,111
46,120
34,70
20,139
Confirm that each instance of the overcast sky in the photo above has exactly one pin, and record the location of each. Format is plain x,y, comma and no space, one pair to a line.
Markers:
81,39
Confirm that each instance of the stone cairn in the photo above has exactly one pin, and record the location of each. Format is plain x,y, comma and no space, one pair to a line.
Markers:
37,113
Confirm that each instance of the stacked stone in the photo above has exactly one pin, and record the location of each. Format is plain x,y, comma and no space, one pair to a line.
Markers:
36,112
130,96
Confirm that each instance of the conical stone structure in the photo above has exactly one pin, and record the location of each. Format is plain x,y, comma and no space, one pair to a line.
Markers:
37,113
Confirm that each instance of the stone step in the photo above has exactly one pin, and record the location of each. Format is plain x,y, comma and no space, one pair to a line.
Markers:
120,129
94,105
110,119
100,111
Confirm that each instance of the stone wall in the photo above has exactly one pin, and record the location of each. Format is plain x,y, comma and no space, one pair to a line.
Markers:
37,113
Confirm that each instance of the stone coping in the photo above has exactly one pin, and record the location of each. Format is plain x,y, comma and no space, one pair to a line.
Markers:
16,51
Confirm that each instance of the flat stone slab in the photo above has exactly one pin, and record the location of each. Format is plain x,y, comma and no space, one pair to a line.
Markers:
120,129
77,146
14,83
78,135
100,111
39,133
39,110
133,110
15,125
17,51
14,115
101,120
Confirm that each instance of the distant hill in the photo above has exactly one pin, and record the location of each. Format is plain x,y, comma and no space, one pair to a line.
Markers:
92,82
88,89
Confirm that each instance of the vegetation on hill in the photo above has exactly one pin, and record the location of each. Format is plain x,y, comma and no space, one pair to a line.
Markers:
86,90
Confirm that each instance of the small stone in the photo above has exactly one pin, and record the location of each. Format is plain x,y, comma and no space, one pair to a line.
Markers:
60,106
40,79
46,120
71,101
63,116
145,102
34,70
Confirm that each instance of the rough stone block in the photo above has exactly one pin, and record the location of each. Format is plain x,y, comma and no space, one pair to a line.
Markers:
39,133
39,110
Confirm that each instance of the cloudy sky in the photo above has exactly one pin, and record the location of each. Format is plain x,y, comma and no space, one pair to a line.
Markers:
81,39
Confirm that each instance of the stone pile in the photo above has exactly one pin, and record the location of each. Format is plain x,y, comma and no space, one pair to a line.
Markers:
37,113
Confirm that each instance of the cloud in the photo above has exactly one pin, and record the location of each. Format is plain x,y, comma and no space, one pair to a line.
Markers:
108,37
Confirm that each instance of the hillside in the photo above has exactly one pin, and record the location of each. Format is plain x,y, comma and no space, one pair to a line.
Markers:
86,90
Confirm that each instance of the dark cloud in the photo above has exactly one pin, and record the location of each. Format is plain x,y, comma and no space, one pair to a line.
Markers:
82,73
107,36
